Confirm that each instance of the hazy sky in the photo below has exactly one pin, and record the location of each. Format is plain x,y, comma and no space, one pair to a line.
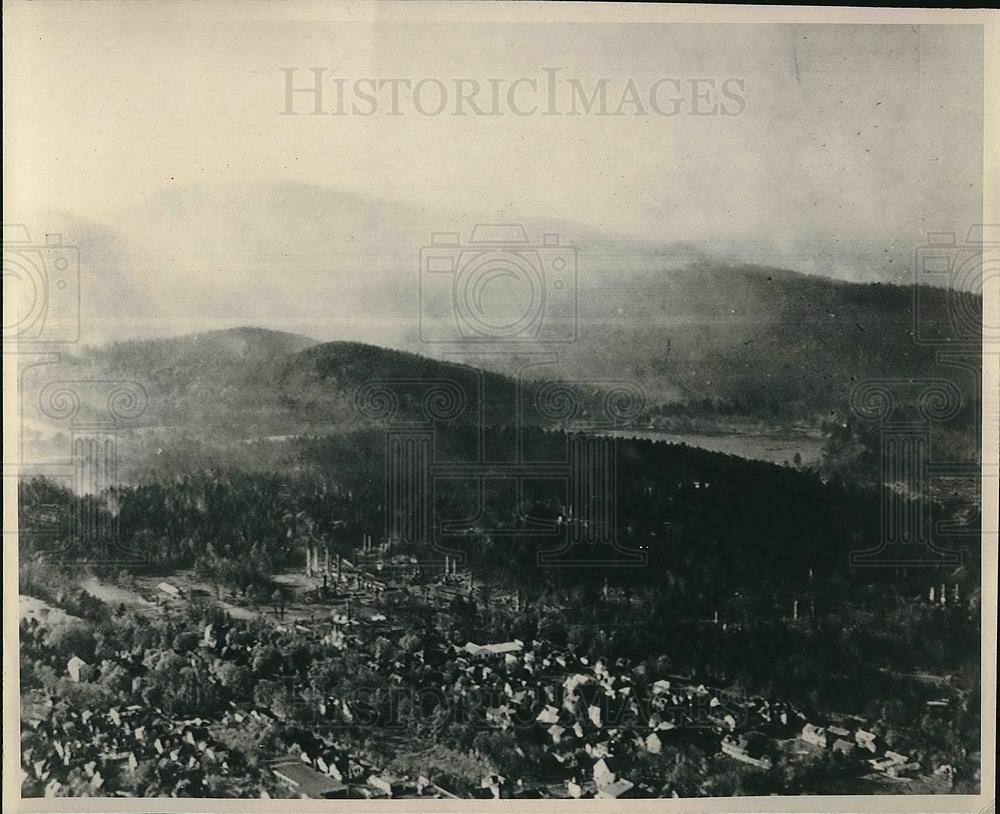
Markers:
851,141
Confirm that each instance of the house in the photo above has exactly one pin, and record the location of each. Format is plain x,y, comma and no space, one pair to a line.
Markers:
549,715
75,667
170,590
330,764
387,783
816,735
306,781
903,769
843,747
839,732
502,648
893,764
866,740
608,769
494,783
746,750
653,744
614,791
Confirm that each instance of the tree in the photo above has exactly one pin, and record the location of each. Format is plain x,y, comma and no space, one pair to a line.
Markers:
115,679
72,640
234,677
278,600
185,641
553,630
264,692
382,648
266,660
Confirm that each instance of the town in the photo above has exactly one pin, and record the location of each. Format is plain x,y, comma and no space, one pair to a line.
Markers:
342,689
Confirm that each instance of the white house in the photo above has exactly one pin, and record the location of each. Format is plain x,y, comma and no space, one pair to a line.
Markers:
74,666
170,590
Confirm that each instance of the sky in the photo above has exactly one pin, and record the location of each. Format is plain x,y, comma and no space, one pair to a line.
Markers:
844,146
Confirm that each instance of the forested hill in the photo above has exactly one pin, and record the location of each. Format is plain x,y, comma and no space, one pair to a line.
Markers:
762,342
250,383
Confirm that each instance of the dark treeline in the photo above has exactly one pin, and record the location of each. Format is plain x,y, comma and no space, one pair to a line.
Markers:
718,533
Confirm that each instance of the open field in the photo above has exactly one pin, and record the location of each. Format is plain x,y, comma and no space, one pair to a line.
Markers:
29,607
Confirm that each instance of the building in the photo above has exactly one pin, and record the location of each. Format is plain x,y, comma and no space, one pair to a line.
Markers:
867,741
614,791
495,784
816,735
387,783
843,747
653,744
746,750
76,667
549,715
503,648
607,770
306,781
170,590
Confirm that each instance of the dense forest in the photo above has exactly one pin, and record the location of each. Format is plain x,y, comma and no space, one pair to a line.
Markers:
707,525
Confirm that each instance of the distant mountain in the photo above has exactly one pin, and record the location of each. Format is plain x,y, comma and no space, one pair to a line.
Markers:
759,343
341,265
